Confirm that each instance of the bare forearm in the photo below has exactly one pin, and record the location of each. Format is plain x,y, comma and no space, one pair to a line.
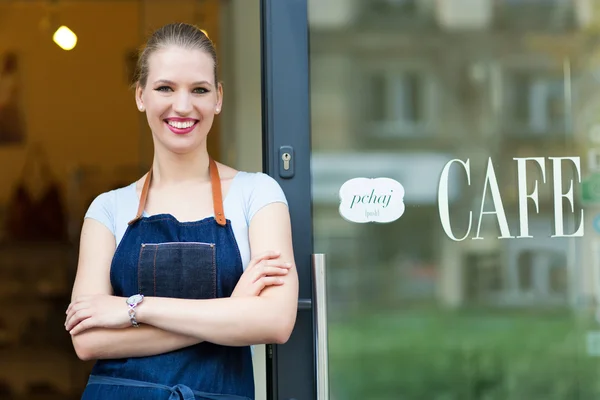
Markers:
233,321
102,343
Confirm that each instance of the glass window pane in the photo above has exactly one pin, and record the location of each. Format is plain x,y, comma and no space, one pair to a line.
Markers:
487,114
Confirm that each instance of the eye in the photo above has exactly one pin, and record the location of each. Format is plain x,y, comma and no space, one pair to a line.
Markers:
163,89
200,90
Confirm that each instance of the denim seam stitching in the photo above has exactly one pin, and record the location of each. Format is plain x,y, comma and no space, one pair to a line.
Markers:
214,271
203,221
154,268
138,270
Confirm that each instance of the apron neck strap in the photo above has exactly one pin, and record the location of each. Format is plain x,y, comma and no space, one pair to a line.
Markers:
217,195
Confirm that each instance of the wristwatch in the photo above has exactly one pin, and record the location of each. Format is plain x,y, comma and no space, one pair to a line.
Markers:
132,302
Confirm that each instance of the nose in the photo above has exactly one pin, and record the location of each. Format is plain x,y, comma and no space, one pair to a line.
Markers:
182,103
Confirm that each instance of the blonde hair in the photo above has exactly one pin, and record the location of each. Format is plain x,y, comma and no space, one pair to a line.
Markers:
185,36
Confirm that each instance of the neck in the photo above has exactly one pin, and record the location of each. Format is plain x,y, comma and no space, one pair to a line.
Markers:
170,168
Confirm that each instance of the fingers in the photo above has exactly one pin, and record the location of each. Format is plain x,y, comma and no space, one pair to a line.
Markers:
82,326
266,270
77,318
74,307
262,271
267,265
70,311
266,273
77,300
276,263
264,256
77,312
267,281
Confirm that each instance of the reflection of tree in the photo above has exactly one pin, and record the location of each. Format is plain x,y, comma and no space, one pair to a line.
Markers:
11,119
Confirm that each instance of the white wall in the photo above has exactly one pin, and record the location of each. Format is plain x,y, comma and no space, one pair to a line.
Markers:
241,132
241,75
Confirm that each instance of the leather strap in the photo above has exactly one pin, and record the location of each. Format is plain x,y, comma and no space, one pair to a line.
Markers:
217,194
215,182
143,198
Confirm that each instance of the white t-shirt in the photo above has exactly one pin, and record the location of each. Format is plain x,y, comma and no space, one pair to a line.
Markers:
248,193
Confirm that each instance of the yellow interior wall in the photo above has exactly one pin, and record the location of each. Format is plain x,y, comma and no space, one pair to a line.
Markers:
78,105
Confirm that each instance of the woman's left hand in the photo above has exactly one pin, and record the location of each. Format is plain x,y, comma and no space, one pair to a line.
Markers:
96,311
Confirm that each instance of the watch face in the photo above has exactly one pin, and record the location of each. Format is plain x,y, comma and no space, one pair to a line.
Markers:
135,299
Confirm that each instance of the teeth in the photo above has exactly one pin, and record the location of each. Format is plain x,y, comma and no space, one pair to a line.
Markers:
181,125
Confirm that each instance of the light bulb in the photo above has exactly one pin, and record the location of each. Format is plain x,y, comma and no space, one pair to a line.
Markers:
65,38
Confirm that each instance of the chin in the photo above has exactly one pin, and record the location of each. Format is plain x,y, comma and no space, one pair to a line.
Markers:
182,148
180,144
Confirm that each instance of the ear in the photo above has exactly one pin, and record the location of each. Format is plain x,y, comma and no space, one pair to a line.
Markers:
219,105
139,98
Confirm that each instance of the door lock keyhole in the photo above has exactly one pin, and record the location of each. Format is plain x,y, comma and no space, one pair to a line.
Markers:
286,162
286,157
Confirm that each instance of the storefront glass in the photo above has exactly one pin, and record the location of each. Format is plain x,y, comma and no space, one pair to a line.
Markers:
486,112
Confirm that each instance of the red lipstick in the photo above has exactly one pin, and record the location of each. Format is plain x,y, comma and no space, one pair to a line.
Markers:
181,126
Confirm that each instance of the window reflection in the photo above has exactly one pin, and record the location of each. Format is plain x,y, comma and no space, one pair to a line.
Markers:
536,103
416,314
396,102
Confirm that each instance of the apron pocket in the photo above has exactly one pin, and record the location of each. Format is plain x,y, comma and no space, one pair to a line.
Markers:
178,269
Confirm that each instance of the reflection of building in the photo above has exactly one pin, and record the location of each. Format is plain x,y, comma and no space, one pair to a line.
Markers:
421,80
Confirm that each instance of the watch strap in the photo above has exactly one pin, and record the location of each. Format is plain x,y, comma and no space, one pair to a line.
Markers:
132,302
132,318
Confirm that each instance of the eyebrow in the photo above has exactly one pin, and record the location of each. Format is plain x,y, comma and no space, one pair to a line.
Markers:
168,82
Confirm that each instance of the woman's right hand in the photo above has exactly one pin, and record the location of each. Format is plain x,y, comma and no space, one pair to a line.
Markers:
261,272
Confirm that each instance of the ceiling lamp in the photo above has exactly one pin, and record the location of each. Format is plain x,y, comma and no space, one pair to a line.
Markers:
65,38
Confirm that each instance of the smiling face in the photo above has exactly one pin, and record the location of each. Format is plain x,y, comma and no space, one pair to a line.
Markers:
180,98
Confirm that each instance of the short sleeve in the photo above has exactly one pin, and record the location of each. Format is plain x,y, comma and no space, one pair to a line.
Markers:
102,210
265,190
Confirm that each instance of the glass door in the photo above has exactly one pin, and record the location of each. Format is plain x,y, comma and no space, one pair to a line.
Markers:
482,283
471,270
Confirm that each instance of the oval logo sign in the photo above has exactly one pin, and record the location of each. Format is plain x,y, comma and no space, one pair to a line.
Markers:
371,200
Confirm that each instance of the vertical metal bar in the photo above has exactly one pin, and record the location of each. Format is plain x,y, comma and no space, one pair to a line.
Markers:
286,122
320,302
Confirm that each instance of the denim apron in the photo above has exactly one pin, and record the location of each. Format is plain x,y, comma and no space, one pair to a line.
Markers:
160,256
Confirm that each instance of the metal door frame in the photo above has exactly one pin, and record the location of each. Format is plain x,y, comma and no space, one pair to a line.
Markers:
291,368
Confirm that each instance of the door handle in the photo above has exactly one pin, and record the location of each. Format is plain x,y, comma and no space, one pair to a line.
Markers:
320,315
304,304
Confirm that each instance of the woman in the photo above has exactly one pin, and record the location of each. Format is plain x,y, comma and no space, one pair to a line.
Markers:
167,297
